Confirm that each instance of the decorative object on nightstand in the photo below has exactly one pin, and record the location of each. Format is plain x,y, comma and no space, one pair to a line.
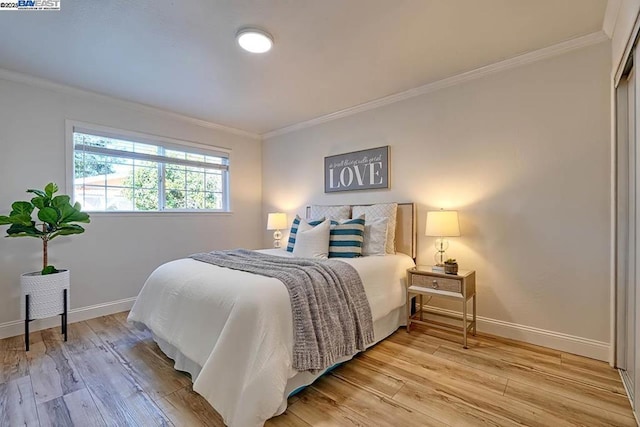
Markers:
422,281
451,266
442,224
45,293
277,221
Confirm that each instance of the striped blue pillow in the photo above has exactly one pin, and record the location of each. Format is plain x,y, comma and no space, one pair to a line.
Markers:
294,229
346,237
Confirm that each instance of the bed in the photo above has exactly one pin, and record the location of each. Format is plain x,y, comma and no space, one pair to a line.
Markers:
232,330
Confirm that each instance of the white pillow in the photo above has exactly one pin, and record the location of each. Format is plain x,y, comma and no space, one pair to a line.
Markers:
375,237
381,210
331,212
294,229
312,242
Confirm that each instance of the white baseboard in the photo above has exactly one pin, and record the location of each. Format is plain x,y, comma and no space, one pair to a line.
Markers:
16,327
557,340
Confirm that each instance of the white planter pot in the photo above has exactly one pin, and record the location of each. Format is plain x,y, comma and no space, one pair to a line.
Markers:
45,293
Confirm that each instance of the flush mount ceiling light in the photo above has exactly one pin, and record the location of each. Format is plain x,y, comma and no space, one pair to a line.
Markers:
254,40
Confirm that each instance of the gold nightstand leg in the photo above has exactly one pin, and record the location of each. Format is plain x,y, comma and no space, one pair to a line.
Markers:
408,312
421,319
474,315
464,323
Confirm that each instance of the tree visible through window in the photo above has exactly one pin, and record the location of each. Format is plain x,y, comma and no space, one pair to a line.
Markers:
119,174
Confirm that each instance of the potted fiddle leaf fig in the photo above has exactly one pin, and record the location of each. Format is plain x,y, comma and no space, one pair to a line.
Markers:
54,216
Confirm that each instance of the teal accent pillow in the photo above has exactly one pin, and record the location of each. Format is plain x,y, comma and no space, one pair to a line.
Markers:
346,237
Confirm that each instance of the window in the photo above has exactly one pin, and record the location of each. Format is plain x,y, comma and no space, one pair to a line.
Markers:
132,172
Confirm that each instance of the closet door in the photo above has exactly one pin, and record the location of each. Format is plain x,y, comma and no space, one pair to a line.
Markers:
628,232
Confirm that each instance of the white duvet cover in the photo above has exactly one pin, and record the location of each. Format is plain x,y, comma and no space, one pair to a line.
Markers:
237,327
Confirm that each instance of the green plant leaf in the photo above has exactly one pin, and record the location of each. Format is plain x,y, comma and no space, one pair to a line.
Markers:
50,189
67,230
4,220
49,269
38,192
61,200
20,230
49,215
71,214
21,208
40,202
22,219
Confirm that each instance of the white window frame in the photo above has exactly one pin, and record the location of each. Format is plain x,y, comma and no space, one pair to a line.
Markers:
72,126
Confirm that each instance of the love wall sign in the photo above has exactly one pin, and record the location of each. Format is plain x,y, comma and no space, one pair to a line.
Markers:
359,170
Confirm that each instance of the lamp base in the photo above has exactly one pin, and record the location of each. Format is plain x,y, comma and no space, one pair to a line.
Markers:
441,245
277,235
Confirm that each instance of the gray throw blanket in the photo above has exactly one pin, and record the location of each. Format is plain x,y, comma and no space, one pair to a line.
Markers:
331,313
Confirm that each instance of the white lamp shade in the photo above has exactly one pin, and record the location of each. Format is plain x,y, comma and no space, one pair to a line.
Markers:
277,221
442,224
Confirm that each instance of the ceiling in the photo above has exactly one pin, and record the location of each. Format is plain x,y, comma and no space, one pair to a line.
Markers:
328,55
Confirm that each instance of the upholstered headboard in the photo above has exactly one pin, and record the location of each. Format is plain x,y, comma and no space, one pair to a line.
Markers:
405,229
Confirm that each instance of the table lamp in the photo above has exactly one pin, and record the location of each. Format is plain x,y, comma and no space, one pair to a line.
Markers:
277,221
442,224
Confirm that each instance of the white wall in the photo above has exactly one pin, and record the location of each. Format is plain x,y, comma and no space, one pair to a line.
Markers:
114,257
524,155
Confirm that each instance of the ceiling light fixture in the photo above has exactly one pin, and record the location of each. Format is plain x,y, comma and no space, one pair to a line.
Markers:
254,40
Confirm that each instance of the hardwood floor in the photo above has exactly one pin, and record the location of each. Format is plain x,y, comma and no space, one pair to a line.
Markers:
110,373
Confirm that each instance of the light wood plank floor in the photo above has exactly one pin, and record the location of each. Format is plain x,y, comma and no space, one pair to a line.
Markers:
110,373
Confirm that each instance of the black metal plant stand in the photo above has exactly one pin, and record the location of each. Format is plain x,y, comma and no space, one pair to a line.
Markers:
63,318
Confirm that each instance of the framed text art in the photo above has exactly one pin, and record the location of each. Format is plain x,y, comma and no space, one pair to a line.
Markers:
359,170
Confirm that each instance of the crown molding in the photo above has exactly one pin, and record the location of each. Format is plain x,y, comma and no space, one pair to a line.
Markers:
60,88
611,17
517,61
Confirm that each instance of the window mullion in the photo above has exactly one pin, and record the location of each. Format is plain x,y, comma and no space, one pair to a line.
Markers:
186,188
161,184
